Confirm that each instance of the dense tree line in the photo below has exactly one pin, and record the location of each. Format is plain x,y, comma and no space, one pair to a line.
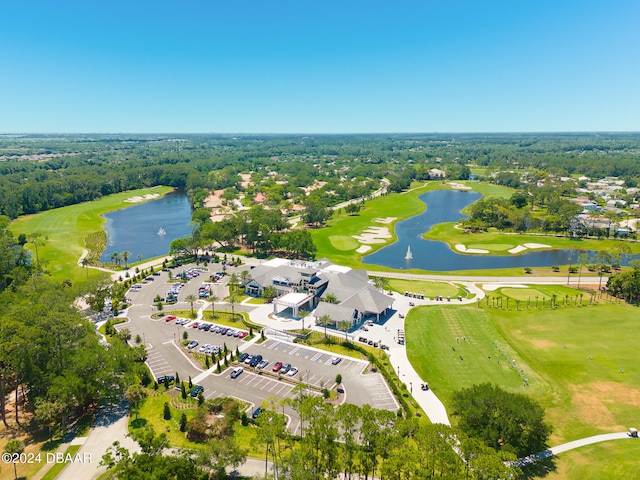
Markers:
544,213
50,356
260,230
348,441
348,166
626,284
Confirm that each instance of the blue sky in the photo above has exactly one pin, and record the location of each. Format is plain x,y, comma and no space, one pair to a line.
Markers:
319,66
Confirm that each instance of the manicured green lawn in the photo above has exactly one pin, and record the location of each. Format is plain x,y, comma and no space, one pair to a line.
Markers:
150,413
610,460
501,242
58,466
335,241
429,289
581,362
343,242
449,365
545,292
64,230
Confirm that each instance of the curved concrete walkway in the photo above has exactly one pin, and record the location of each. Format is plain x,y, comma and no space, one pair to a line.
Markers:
535,457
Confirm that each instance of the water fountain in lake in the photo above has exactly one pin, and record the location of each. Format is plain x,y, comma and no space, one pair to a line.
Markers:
161,232
409,255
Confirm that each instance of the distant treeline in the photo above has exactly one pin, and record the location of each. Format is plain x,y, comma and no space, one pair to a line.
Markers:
352,165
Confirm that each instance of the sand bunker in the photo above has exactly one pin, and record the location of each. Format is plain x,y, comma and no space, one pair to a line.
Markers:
373,235
462,248
522,248
138,198
385,220
363,249
458,186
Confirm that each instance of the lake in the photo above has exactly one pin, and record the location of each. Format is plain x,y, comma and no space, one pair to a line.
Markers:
135,229
445,206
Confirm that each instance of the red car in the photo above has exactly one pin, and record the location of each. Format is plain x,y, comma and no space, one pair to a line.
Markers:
277,366
169,318
195,324
243,334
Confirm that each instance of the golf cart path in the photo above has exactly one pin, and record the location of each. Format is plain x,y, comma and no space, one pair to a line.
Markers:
565,447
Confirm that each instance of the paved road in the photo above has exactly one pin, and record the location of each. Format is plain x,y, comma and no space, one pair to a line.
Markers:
109,426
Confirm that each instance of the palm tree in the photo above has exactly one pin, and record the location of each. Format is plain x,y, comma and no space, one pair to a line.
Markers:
191,299
85,262
330,298
139,257
213,299
234,280
344,325
125,257
14,447
233,299
325,320
245,276
115,257
377,282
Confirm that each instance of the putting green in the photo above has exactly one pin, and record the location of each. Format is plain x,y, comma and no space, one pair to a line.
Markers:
343,242
523,294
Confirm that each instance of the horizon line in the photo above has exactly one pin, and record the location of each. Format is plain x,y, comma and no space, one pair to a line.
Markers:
495,132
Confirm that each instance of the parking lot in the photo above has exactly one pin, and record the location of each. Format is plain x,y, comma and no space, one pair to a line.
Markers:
166,356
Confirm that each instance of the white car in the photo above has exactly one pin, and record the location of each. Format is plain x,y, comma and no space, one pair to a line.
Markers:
236,371
335,360
292,372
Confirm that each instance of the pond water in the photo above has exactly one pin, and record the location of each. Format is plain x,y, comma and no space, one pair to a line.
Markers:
135,229
445,206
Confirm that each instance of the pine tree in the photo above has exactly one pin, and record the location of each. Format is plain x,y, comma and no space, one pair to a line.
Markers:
183,422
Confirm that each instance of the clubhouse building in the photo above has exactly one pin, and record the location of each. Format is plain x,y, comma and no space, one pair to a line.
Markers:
321,288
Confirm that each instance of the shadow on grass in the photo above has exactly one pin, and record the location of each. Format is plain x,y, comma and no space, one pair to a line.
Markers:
138,423
539,469
52,444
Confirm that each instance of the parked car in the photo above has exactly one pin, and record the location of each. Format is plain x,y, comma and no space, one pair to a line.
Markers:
169,378
256,360
243,334
193,344
292,372
243,357
276,367
196,390
263,363
285,368
335,360
236,372
256,412
169,318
